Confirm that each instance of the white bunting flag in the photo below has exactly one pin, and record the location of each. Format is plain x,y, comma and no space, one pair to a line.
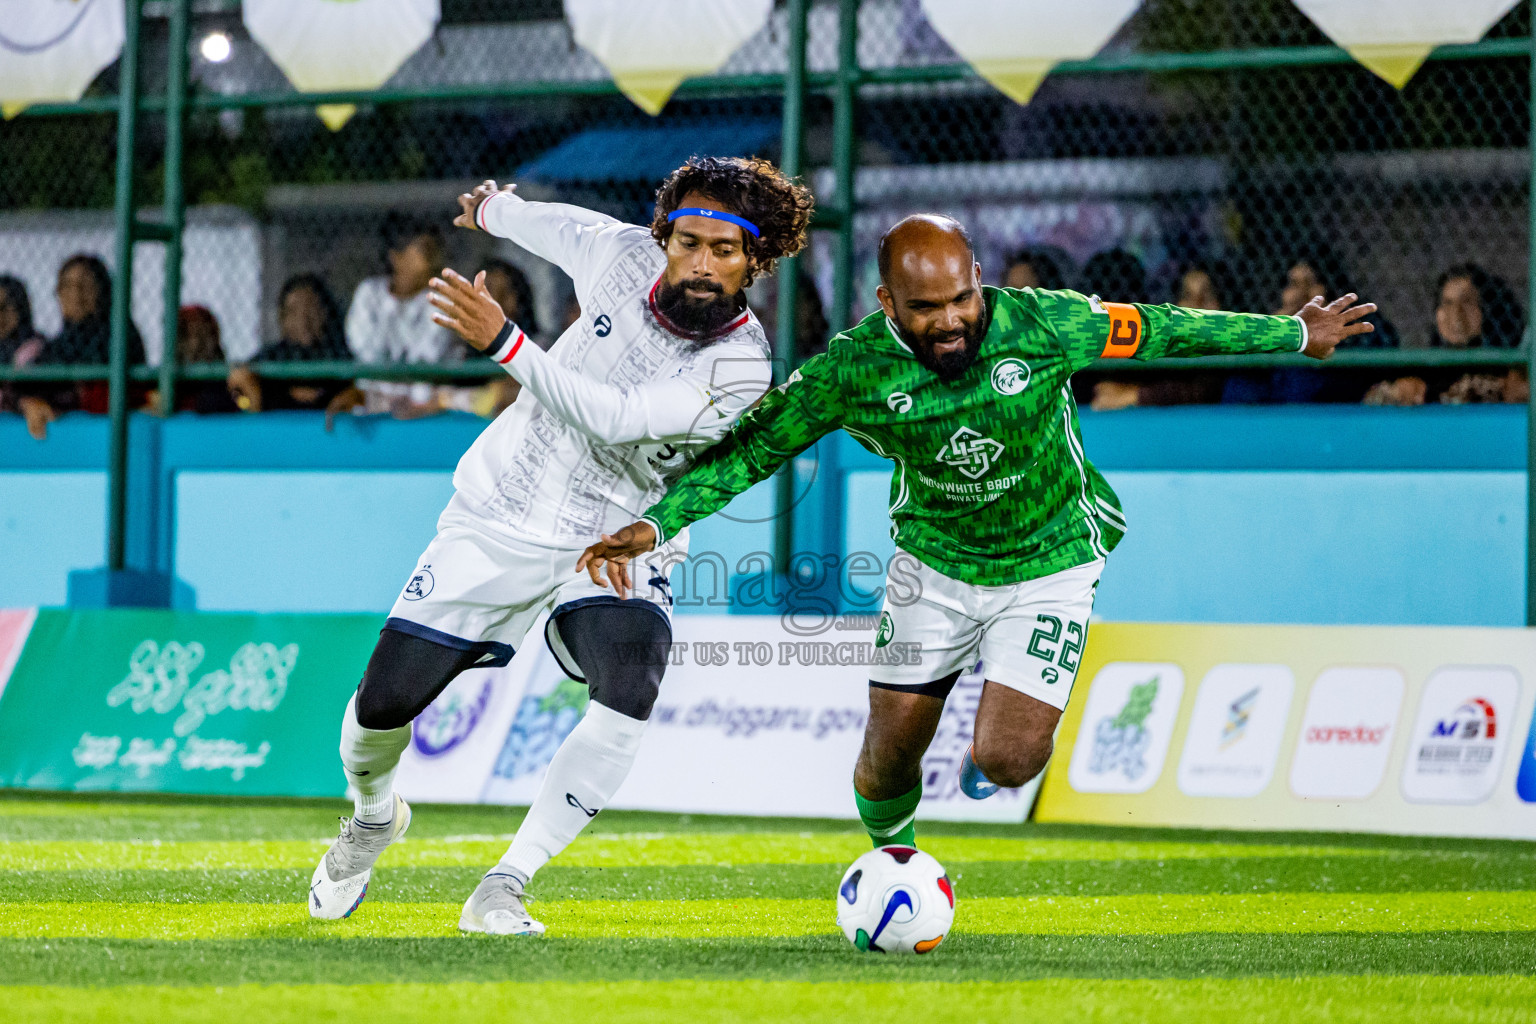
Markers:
650,46
50,50
1014,43
1392,37
333,45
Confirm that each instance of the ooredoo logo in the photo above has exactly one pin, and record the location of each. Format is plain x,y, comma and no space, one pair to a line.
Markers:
1346,733
1235,730
1336,734
1459,737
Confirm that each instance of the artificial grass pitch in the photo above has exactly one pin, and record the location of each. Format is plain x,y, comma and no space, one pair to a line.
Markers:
169,910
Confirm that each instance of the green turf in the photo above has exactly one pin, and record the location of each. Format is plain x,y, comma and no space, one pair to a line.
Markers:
171,910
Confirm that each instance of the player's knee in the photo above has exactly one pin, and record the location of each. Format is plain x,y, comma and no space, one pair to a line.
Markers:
631,690
1012,764
377,710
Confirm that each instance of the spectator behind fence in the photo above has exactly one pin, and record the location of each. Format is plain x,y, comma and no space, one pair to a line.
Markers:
84,293
20,343
1312,274
309,330
390,321
197,341
1473,309
1115,276
1036,268
1201,285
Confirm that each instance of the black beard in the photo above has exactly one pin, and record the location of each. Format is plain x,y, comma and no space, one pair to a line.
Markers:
700,321
952,366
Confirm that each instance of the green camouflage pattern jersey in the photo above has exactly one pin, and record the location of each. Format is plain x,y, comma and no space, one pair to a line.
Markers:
991,484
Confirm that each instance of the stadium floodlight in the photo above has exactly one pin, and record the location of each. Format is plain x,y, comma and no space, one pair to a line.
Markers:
215,47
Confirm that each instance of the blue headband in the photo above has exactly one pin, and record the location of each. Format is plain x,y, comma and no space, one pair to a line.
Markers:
729,218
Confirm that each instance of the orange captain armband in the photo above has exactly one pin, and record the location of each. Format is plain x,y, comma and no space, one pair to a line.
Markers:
1125,326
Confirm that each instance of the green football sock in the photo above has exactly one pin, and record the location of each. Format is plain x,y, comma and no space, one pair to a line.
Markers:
890,822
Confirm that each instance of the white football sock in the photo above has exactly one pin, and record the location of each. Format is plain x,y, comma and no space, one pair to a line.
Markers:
370,757
583,775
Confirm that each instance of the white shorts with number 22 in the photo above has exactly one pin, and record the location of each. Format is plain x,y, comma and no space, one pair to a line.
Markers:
1029,636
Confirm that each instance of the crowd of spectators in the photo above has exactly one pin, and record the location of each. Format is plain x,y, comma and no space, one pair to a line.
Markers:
389,320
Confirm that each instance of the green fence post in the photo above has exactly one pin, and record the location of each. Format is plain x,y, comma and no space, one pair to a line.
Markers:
1530,350
122,288
845,98
791,148
174,200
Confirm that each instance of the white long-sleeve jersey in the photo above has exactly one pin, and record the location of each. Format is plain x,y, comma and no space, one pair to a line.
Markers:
619,406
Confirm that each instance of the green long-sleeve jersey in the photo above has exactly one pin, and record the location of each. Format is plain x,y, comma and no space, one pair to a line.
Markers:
991,485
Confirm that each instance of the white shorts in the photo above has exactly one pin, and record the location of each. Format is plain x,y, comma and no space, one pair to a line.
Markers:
477,588
1029,636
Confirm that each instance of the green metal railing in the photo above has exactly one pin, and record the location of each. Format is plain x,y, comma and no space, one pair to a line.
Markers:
843,87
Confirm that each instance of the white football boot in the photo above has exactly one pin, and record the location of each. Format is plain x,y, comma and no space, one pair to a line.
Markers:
341,878
496,908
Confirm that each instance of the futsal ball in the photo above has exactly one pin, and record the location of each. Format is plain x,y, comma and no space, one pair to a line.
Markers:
895,900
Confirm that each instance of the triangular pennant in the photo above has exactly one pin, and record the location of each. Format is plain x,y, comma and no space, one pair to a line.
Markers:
651,46
1392,38
326,46
1013,44
1394,62
336,115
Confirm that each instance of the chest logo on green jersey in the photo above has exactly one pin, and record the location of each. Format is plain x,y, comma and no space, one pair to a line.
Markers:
1010,376
970,452
899,402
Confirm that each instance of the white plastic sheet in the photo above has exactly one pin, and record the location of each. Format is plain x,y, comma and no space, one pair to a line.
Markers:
326,45
650,46
1392,37
1014,43
51,49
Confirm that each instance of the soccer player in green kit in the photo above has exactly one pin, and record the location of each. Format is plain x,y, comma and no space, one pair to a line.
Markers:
965,388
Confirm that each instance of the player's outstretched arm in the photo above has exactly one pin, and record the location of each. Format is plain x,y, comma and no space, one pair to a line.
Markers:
1090,328
696,406
788,420
571,237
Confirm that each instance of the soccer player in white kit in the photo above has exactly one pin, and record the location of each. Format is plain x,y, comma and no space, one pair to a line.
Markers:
665,358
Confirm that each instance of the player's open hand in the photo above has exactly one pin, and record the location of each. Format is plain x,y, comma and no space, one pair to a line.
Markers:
615,550
466,307
469,202
1328,325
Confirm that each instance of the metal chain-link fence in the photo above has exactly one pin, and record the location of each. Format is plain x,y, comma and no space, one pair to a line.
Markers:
1214,152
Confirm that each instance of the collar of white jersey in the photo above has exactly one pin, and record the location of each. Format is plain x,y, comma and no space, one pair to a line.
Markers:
662,318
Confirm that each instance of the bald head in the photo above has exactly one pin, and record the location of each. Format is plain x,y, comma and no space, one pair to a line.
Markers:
930,288
916,243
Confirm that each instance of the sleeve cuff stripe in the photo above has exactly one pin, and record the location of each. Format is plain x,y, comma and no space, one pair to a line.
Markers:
661,536
514,338
480,212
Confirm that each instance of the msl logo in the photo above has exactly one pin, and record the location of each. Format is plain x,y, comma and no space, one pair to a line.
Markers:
971,453
1126,728
1459,734
1346,733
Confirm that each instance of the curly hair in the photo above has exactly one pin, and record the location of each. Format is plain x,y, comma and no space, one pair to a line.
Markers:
749,187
